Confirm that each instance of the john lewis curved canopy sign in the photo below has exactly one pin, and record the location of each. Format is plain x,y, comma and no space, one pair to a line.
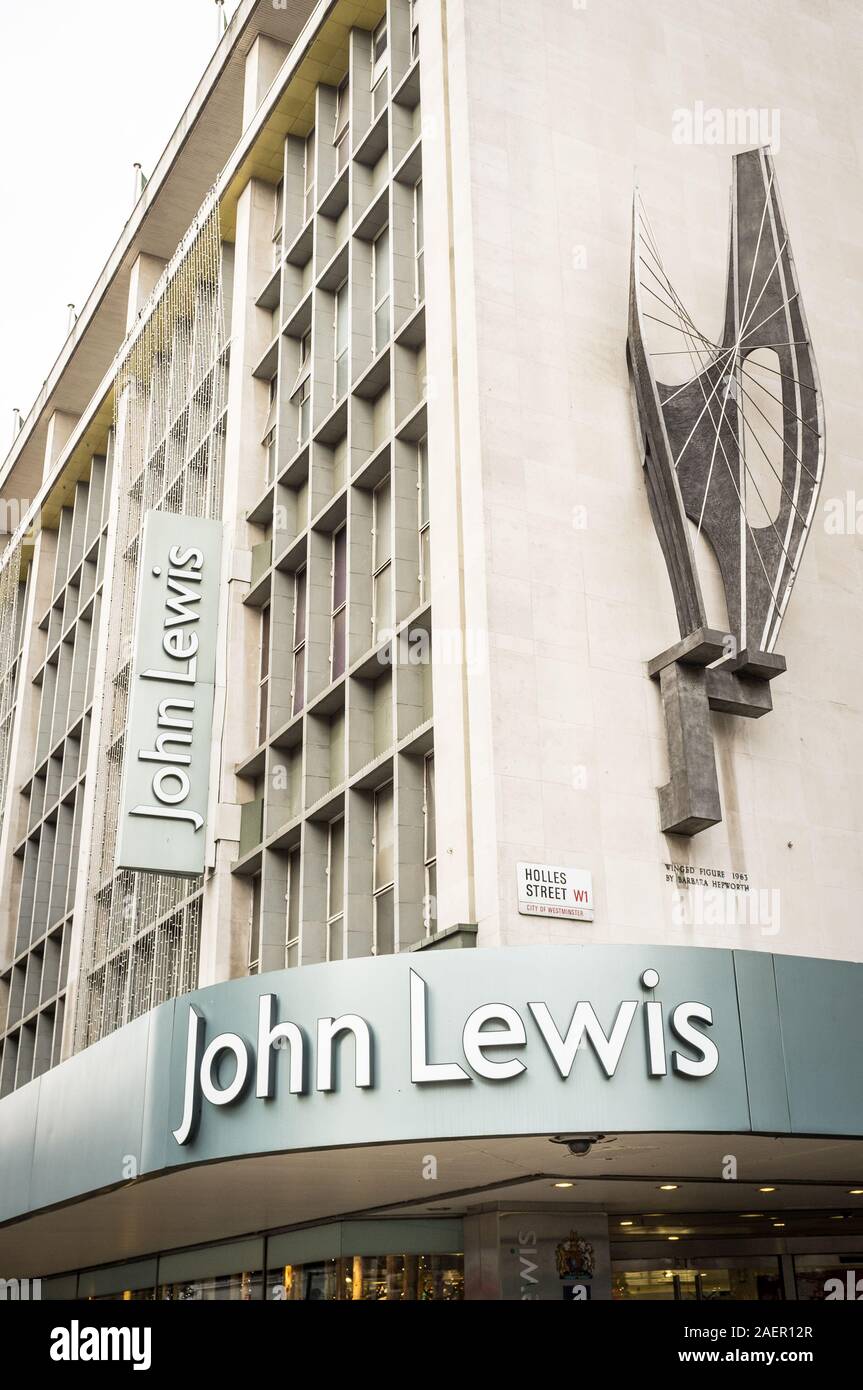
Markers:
440,1045
493,1044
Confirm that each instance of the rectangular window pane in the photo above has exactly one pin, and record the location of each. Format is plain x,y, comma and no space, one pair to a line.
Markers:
263,704
334,938
336,869
382,324
382,252
303,403
299,607
425,564
265,642
255,927
310,175
430,905
381,523
385,923
343,107
293,916
423,464
342,326
342,148
338,638
429,810
384,851
383,602
342,319
340,552
341,375
299,678
381,277
379,42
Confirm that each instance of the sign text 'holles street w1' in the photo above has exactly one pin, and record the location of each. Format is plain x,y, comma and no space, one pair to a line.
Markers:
488,1030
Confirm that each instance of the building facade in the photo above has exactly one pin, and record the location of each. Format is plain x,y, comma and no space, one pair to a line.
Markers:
347,949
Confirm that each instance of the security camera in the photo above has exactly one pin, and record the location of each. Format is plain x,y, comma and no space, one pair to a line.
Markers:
578,1144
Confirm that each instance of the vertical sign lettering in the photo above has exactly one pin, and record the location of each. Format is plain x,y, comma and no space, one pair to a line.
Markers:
170,719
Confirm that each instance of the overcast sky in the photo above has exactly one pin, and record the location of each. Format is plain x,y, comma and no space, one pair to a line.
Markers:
86,88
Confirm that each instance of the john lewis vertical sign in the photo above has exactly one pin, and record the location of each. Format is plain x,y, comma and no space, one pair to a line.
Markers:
170,719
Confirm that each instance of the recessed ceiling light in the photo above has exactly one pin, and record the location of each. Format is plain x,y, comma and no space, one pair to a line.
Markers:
837,1218
855,1192
751,1215
777,1224
563,1184
674,1237
767,1189
627,1223
668,1186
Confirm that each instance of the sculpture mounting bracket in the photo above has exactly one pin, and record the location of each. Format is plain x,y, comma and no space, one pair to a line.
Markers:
696,676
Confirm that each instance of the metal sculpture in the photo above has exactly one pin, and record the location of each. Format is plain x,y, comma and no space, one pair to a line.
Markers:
705,442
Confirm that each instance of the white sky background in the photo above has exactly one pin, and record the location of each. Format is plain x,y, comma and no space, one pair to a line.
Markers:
86,88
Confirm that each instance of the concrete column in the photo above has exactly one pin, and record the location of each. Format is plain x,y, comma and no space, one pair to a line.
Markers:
60,427
226,906
263,61
142,281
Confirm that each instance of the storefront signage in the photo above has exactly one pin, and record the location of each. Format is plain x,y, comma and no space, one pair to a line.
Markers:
169,726
495,1038
548,890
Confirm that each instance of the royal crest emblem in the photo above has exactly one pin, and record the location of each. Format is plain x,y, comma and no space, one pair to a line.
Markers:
575,1258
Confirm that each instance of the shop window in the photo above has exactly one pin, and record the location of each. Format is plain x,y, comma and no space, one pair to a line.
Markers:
431,1278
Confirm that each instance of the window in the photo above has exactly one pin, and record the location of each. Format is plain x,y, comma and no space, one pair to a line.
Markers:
429,848
415,30
255,928
264,674
269,436
384,873
302,403
342,132
379,68
309,177
341,340
419,244
382,606
335,888
292,898
339,590
278,222
299,673
381,289
301,396
424,528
